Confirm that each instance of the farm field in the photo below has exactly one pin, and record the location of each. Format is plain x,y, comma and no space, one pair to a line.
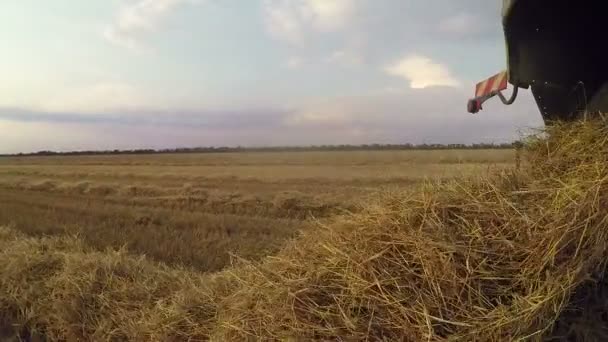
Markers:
309,246
196,210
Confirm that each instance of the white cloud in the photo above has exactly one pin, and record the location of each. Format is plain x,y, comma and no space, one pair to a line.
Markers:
460,24
331,15
345,58
283,21
139,17
294,63
96,97
332,114
408,115
291,20
422,72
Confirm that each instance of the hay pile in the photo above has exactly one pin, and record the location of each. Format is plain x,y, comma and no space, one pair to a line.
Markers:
515,256
491,259
58,289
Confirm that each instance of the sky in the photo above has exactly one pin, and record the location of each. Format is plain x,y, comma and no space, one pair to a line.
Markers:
121,74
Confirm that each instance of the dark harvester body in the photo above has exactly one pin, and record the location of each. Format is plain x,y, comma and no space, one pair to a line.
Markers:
556,48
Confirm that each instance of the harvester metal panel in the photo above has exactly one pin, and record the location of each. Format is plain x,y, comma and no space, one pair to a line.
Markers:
506,7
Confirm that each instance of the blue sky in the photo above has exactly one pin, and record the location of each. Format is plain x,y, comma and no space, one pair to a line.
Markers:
101,74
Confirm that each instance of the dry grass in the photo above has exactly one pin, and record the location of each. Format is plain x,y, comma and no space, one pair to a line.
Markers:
236,160
262,169
496,259
195,210
194,239
518,255
56,288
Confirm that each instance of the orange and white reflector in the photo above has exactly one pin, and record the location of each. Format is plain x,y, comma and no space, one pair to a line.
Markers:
486,90
492,85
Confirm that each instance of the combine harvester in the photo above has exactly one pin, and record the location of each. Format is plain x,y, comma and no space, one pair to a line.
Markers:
556,48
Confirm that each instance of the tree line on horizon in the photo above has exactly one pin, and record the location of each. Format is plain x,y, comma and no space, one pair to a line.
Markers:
364,147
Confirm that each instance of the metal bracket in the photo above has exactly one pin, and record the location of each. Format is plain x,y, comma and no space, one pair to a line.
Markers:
511,100
476,104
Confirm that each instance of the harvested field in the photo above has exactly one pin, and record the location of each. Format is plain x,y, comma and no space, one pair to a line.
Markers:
195,210
475,253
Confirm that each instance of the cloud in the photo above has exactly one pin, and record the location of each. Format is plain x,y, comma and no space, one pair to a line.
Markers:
351,33
412,115
292,20
345,58
331,15
398,116
294,63
203,118
422,72
108,93
324,115
136,18
95,97
462,25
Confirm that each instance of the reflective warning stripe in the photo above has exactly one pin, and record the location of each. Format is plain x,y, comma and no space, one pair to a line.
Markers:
492,85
